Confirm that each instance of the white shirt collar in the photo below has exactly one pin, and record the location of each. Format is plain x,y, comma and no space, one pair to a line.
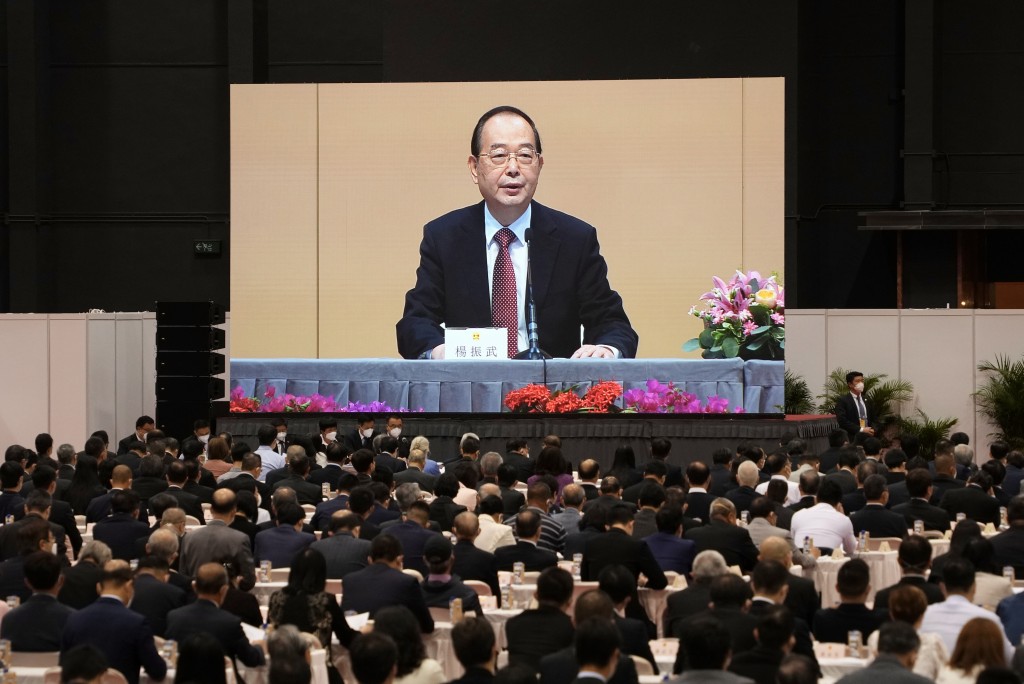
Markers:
519,226
702,490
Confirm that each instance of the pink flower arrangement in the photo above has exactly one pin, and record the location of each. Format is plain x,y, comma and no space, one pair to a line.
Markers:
667,398
744,317
290,403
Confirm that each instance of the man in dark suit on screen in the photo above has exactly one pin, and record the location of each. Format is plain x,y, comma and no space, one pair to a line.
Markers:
470,253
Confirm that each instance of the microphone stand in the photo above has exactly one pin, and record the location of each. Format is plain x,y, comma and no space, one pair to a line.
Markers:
534,352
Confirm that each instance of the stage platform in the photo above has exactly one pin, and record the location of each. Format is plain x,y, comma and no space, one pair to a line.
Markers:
480,386
693,437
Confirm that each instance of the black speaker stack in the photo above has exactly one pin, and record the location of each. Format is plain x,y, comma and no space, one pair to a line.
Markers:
186,363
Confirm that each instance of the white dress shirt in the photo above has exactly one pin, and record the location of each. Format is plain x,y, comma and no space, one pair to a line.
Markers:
826,526
493,535
270,460
792,495
947,619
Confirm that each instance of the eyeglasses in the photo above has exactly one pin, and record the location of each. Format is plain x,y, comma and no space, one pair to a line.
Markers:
499,157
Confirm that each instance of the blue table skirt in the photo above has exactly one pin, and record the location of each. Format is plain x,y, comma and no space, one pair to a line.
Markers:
480,386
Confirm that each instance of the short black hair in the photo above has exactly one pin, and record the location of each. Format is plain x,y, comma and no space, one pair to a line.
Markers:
476,141
527,524
473,641
656,468
651,494
266,434
617,581
918,482
360,499
10,473
706,643
697,473
385,547
729,591
361,460
325,423
42,477
853,578
769,576
144,420
660,448
84,662
722,456
761,507
874,487
595,642
775,627
42,570
894,458
124,501
373,657
914,554
668,519
554,585
898,638
830,492
852,375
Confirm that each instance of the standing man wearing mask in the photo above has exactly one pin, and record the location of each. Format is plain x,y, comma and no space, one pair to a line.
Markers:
852,411
393,428
362,436
282,434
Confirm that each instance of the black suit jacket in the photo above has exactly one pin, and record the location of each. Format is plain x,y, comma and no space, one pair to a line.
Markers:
36,625
61,513
731,541
698,505
131,650
1009,547
804,502
898,493
205,616
941,484
685,604
973,501
154,599
848,417
472,563
721,480
305,492
740,625
533,634
741,498
879,522
801,630
931,591
377,586
918,509
802,598
615,547
561,666
356,441
120,532
759,663
330,473
187,502
633,639
79,588
524,465
570,285
854,501
847,481
834,624
533,557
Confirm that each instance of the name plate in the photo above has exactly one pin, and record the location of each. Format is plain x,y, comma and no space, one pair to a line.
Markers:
475,344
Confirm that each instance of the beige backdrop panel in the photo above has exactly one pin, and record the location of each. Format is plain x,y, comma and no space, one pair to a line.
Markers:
274,259
683,180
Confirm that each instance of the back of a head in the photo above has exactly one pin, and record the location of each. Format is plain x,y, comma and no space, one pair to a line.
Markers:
853,578
865,470
706,643
31,533
592,604
527,524
769,577
729,591
894,458
907,603
830,492
761,507
914,554
651,494
918,482
981,554
708,565
777,490
286,648
849,457
83,663
384,547
42,570
797,669
874,487
617,581
554,586
668,519
810,482
473,641
595,642
747,474
775,627
958,576
898,638
373,657
200,659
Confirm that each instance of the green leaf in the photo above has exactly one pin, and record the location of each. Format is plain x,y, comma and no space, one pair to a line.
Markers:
782,343
755,344
692,345
761,329
730,347
707,338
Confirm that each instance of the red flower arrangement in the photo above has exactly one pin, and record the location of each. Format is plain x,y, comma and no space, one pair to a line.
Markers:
600,398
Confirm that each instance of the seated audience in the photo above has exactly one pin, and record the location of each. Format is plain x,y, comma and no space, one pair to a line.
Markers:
545,629
413,665
476,648
36,624
620,585
670,550
527,549
694,600
382,583
990,587
730,597
154,597
898,646
907,603
288,652
874,518
597,650
978,647
914,556
374,658
200,660
1009,544
84,663
919,507
342,548
706,646
774,633
80,580
853,582
722,534
440,586
824,523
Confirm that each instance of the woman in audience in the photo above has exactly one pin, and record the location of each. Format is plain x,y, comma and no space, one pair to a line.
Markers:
443,508
989,587
979,646
218,456
200,661
245,515
551,462
593,523
963,532
242,604
85,485
305,604
907,604
624,467
414,667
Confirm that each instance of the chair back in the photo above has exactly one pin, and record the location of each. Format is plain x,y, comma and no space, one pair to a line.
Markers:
279,574
481,588
643,666
333,586
440,614
191,520
112,676
414,573
51,675
875,542
29,659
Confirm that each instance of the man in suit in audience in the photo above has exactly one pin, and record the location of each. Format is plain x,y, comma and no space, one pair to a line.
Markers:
248,479
539,499
944,479
919,487
297,470
915,558
761,526
517,455
1009,544
801,595
589,473
154,597
561,666
845,476
855,500
415,474
829,461
898,644
45,480
282,543
413,533
99,507
216,541
774,632
596,645
875,518
344,551
670,550
620,585
975,500
382,583
80,580
472,563
177,477
336,453
729,596
37,506
723,535
143,426
122,528
36,625
12,504
526,549
695,598
543,630
361,436
512,499
205,615
698,500
853,582
476,648
769,583
133,649
810,481
654,471
747,476
721,480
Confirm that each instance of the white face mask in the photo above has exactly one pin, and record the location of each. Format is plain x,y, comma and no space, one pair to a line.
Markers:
331,436
205,439
367,433
395,432
859,387
281,436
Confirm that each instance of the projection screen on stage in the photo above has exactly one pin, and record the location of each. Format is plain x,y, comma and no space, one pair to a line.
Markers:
331,185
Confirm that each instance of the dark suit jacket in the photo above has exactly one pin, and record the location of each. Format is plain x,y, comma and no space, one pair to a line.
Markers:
511,500
11,503
9,538
615,547
324,510
356,441
833,624
378,586
740,625
941,484
731,541
148,487
879,522
1009,547
698,505
122,444
561,667
685,604
532,557
154,600
280,544
973,501
721,480
741,498
344,554
413,537
386,460
533,634
131,650
426,481
802,598
847,481
854,501
305,492
205,616
570,285
61,513
36,624
79,588
474,675
524,465
804,502
848,416
187,502
120,532
243,605
759,663
203,492
898,494
443,510
672,553
633,639
330,473
918,509
472,563
931,591
801,630
65,472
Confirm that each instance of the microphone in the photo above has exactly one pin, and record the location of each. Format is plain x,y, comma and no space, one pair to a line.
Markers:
534,352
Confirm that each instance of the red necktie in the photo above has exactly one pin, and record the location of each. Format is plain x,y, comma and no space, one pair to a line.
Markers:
504,308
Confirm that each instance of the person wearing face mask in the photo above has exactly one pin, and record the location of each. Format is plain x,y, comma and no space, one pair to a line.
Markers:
362,436
852,411
328,434
282,434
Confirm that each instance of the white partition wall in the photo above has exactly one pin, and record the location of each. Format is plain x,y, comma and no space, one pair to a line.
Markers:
938,350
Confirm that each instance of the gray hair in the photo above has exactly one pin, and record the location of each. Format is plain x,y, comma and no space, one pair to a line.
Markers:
65,454
488,489
406,494
746,474
420,442
963,454
417,456
97,552
708,565
163,544
722,507
172,516
489,463
286,643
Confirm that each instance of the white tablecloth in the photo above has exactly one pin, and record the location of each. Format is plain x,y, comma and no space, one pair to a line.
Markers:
884,567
